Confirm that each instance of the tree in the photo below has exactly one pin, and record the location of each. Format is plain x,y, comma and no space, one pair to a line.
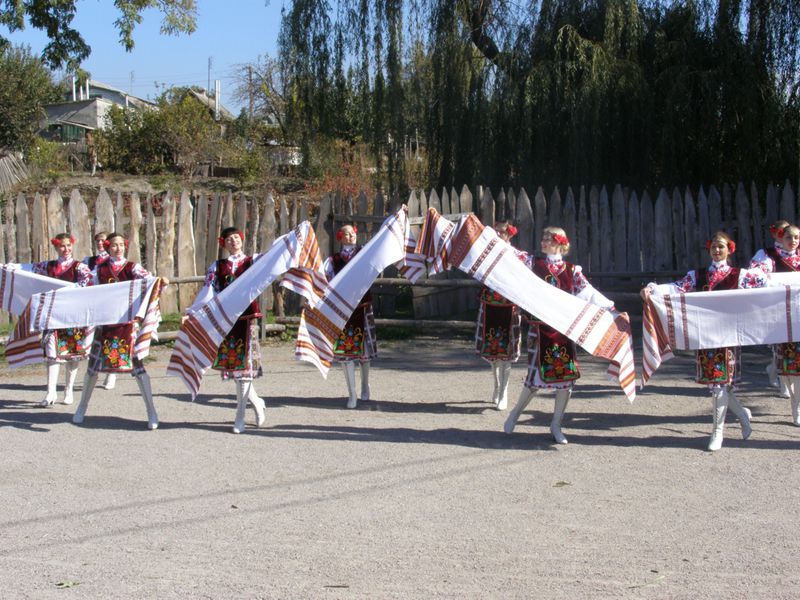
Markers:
25,86
188,130
67,47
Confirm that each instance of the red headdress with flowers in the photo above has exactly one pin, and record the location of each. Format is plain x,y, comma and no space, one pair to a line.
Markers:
560,239
731,245
56,241
107,242
340,235
221,239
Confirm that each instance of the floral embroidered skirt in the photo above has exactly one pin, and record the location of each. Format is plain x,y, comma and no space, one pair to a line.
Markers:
787,357
719,366
551,359
357,339
239,354
497,334
112,350
67,345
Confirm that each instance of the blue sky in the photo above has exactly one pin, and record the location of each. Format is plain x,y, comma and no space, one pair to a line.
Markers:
232,32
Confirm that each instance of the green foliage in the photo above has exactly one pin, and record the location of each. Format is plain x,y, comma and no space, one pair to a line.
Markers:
67,47
132,141
188,130
25,86
46,160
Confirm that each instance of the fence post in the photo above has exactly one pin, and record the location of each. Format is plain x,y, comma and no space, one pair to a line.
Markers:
39,239
11,231
79,225
606,249
583,233
186,251
524,222
104,212
150,236
568,222
23,227
647,219
787,202
56,221
266,235
465,200
633,258
755,217
135,211
745,231
618,230
678,232
166,255
691,228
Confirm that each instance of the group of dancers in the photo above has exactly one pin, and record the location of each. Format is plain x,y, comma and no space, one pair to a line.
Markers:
552,357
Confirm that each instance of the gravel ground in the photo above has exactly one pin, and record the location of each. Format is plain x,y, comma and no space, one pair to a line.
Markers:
416,494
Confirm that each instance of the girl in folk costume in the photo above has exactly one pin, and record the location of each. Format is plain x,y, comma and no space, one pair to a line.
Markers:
113,347
552,360
765,259
497,335
356,342
92,262
785,258
719,368
63,346
239,354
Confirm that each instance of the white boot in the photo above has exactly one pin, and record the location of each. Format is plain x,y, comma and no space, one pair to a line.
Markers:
742,413
350,377
562,397
143,379
525,398
795,400
720,409
258,405
72,374
89,382
110,382
772,373
241,404
502,396
52,385
496,377
785,386
365,381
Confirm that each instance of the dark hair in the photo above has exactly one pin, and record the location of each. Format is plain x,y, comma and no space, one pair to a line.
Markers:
63,236
229,231
99,233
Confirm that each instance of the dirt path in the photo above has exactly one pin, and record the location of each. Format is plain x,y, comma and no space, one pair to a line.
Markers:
417,494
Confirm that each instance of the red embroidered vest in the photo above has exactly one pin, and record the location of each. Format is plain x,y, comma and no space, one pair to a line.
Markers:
781,266
70,274
105,273
226,275
563,281
729,282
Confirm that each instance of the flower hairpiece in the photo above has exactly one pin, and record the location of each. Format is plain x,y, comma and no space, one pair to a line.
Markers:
221,240
731,246
776,231
57,241
512,231
340,235
107,243
560,239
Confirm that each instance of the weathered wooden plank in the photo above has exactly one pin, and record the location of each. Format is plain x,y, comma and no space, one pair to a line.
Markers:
24,254
511,206
201,233
120,222
227,210
633,257
213,251
554,209
104,212
569,218
150,239
423,204
465,200
80,225
363,228
678,232
253,227
165,265
772,205
525,223
11,228
539,217
487,207
500,211
434,202
283,216
606,249
134,229
322,226
185,252
715,217
40,241
619,233
744,235
692,229
663,233
413,204
445,202
704,225
56,215
787,210
728,213
267,237
648,227
583,231
756,217
241,212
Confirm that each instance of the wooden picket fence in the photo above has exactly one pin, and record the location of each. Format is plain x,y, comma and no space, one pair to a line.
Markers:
623,235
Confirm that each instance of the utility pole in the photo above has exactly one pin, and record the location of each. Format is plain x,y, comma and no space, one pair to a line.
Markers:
208,86
250,90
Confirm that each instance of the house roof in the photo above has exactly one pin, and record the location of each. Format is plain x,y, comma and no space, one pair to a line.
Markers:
209,101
